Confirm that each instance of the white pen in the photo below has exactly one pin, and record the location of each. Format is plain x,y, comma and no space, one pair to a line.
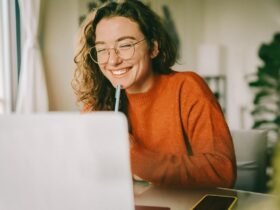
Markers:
117,97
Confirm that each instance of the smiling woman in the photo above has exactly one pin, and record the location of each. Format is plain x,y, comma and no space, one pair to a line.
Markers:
177,131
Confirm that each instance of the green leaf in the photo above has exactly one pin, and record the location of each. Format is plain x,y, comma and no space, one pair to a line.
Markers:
260,123
277,120
262,109
260,95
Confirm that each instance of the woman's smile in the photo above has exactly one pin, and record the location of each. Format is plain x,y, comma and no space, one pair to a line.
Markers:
119,72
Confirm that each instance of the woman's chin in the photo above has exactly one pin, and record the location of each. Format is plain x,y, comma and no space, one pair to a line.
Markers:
121,82
117,83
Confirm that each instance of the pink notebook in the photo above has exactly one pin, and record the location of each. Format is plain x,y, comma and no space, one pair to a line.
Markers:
151,208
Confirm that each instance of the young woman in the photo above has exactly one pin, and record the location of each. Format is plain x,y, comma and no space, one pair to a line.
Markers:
178,134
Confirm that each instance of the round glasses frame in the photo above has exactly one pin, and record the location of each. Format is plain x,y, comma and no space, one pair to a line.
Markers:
124,51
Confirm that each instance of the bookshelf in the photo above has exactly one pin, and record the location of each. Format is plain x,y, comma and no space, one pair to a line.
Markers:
218,86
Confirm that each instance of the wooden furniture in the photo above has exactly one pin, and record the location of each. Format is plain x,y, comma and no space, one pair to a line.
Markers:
179,199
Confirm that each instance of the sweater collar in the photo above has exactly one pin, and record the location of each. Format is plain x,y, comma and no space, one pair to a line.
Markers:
149,95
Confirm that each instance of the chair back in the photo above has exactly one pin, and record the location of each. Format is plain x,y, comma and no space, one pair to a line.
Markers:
251,155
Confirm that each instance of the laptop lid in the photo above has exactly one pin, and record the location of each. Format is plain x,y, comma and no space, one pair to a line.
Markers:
60,161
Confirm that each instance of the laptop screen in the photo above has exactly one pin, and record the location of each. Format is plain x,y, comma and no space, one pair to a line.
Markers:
65,161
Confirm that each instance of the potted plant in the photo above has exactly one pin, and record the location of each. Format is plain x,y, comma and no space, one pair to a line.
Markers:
266,84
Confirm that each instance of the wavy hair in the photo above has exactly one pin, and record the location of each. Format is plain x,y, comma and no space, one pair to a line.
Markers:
91,87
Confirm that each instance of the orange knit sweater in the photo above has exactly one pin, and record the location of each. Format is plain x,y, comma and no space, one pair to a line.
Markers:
181,136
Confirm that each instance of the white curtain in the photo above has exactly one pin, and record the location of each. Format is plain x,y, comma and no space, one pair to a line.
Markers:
32,90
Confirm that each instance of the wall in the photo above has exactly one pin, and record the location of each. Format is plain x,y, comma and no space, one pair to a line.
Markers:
188,20
60,24
238,26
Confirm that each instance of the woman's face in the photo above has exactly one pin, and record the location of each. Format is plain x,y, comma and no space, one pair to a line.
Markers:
133,71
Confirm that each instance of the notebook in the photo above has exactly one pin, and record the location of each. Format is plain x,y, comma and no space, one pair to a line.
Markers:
65,161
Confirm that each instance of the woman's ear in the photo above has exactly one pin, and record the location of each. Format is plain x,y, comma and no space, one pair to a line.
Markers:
154,51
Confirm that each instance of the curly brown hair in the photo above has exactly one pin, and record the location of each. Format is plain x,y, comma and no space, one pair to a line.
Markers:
90,85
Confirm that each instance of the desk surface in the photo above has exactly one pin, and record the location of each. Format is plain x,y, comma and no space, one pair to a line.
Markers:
149,195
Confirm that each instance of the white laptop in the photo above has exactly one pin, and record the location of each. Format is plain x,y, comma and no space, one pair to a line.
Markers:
65,161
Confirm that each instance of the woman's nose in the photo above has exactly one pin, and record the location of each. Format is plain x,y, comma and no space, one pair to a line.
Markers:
114,58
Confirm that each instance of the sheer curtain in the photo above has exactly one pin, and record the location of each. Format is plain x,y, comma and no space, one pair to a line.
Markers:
8,56
32,91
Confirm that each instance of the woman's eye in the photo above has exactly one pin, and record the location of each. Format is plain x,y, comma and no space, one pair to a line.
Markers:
125,46
101,50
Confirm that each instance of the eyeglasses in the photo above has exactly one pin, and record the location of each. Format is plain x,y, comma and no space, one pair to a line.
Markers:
125,49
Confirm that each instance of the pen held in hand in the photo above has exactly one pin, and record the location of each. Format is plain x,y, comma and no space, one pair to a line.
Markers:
117,97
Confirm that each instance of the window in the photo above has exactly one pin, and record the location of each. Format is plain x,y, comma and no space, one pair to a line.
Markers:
1,62
8,56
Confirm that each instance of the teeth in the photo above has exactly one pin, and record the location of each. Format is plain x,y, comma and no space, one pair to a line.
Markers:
118,72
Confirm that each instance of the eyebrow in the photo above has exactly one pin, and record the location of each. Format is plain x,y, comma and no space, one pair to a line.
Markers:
119,39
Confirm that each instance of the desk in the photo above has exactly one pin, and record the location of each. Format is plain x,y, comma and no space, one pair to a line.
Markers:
179,199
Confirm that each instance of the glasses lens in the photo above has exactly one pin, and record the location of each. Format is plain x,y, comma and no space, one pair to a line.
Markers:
92,54
99,55
125,49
